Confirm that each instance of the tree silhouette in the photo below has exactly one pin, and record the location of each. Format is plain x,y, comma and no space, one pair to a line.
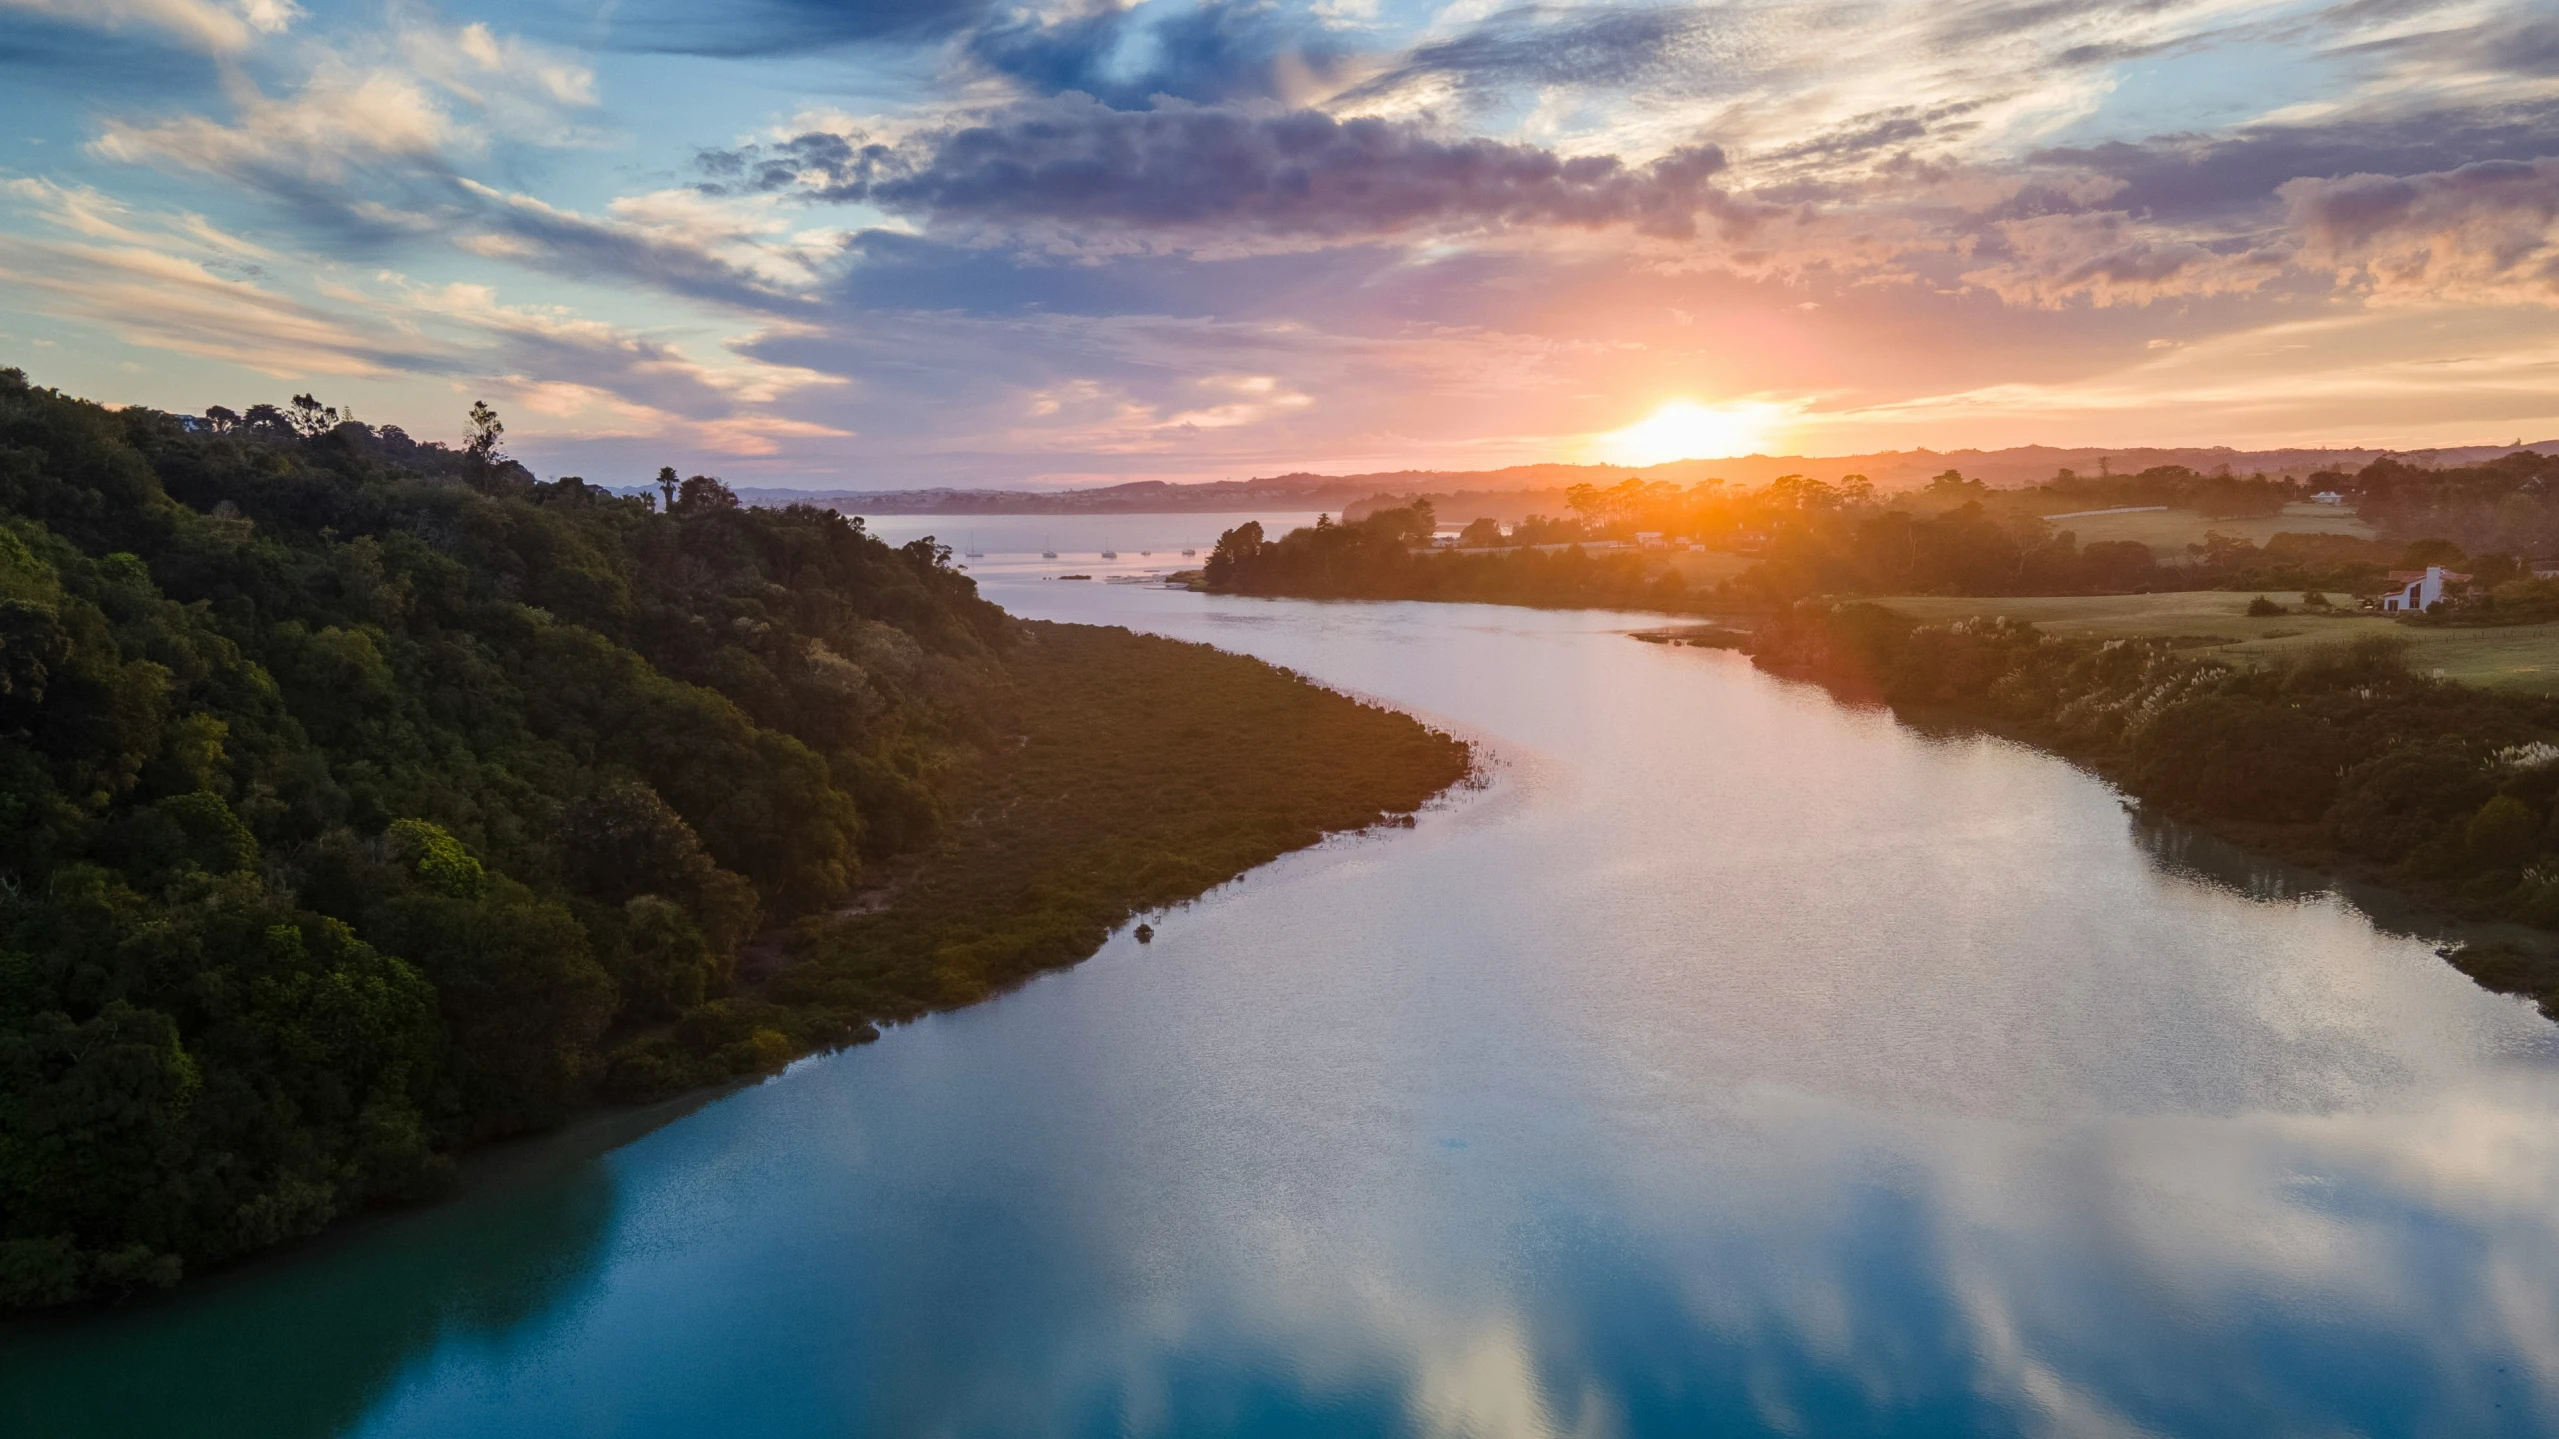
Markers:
482,448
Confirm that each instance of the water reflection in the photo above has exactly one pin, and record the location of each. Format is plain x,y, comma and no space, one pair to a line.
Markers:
1735,1064
306,1342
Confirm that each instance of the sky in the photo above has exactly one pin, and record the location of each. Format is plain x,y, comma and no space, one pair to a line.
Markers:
810,243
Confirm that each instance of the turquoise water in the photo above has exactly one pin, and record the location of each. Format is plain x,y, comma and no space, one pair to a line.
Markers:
1732,1062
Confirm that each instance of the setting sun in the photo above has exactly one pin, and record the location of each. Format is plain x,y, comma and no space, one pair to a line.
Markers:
1687,430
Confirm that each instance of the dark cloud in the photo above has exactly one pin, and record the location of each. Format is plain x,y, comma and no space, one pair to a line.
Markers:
2500,211
2484,233
1077,164
2208,177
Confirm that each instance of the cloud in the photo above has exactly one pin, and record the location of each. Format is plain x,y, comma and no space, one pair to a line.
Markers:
1126,56
2197,176
345,120
1072,170
208,25
2521,44
171,281
2485,233
403,103
373,151
147,295
1604,46
2110,259
784,27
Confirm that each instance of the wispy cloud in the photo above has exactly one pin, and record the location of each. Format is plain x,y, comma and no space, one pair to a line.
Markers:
210,25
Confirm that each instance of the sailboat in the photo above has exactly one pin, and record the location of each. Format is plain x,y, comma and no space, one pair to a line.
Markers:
973,552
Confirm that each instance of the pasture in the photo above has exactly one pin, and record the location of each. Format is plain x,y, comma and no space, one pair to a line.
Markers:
2516,657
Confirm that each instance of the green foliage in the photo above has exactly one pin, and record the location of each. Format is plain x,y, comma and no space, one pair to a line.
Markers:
2501,507
2502,834
2344,753
1376,558
1955,537
439,861
1137,773
351,789
361,799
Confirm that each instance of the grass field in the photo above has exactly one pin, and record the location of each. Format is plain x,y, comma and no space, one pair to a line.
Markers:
2520,657
2168,532
1704,568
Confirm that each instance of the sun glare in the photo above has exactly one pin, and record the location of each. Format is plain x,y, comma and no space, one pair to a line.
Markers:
1687,430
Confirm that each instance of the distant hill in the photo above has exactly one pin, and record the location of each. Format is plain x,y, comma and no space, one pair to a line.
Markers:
1521,489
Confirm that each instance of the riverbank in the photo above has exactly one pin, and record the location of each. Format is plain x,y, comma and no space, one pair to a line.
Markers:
2342,758
1129,774
364,802
1721,989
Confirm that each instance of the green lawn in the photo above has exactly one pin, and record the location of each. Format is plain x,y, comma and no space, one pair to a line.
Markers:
2169,531
2519,657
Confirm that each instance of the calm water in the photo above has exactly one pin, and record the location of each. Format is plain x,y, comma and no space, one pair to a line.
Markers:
1010,547
1733,1063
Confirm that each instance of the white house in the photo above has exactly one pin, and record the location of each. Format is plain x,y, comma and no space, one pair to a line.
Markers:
2327,497
2419,589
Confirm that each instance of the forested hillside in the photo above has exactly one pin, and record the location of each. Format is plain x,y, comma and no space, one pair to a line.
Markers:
363,799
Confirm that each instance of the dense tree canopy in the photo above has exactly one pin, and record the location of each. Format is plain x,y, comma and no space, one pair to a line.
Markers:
361,799
354,792
2342,755
1952,536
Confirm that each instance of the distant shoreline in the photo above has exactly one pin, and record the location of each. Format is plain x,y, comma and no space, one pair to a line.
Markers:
1890,470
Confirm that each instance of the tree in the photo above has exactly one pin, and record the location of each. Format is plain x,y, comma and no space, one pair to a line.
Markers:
482,447
1238,547
311,419
666,488
703,492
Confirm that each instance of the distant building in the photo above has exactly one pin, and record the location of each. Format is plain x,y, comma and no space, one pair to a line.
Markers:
2545,569
1650,540
2419,589
2327,497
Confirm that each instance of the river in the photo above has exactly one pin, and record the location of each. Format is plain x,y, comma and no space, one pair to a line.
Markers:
1732,1062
